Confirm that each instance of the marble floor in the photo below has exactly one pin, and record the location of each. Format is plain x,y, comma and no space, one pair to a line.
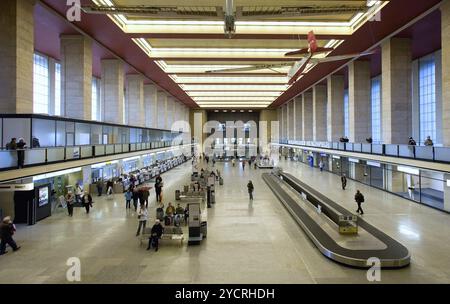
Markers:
247,242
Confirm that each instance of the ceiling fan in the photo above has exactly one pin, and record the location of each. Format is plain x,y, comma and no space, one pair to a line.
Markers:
300,66
226,13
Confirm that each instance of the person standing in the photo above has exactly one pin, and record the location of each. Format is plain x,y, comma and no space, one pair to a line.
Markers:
359,199
243,165
428,142
99,185
70,201
343,181
321,166
21,145
7,230
250,188
158,188
233,162
142,217
128,197
155,235
145,195
87,201
135,198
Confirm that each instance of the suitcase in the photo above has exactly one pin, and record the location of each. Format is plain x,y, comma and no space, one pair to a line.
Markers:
221,181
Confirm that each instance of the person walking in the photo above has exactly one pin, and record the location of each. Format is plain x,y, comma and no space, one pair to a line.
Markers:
343,181
233,162
7,230
128,197
250,188
135,199
243,165
321,166
158,188
359,199
142,217
87,201
145,195
70,201
99,185
78,193
155,235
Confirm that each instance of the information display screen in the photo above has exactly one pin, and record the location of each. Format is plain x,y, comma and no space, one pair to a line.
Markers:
43,196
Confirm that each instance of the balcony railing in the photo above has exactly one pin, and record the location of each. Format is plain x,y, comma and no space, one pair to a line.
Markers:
427,153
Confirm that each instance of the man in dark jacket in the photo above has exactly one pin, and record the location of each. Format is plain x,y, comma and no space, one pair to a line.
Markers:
344,182
21,153
250,189
359,198
87,201
158,188
157,231
6,232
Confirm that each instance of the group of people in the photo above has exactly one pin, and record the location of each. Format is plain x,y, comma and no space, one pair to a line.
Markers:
20,147
428,142
79,196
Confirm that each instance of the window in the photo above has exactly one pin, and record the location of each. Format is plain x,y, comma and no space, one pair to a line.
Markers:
346,114
96,109
376,109
427,98
57,89
41,85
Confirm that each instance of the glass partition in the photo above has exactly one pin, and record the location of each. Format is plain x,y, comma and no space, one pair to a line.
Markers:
60,133
43,133
82,134
70,133
96,134
16,128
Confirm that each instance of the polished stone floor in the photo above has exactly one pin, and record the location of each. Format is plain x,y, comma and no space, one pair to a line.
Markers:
255,242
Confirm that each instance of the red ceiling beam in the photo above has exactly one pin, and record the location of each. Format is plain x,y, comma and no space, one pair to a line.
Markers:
235,37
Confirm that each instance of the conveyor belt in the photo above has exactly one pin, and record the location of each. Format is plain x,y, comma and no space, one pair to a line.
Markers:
395,255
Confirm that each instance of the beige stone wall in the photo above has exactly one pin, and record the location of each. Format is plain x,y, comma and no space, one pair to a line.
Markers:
335,107
76,76
445,24
298,118
320,113
307,116
135,98
16,57
396,91
112,86
360,116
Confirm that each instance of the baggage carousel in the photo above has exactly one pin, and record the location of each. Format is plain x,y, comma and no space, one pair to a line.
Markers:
303,203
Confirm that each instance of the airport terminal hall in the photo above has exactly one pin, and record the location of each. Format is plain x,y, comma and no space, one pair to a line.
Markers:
216,142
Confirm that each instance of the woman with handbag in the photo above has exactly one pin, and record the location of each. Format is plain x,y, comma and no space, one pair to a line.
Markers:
142,217
87,201
70,201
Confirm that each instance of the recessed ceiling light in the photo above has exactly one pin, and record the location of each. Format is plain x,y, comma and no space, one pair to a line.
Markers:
225,111
250,111
242,111
216,111
233,111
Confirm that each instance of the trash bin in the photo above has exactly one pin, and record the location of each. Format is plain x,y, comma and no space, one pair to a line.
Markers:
204,228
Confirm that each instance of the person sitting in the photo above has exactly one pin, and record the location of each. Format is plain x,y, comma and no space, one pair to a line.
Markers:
35,142
12,145
428,142
179,210
170,210
411,141
155,235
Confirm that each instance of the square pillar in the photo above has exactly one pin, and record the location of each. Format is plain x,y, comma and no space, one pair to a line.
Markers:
16,56
112,84
169,112
150,101
162,101
135,98
359,105
291,120
335,107
298,118
76,76
284,122
396,91
280,122
307,117
320,113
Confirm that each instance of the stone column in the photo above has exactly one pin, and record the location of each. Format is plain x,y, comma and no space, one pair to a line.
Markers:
285,122
112,85
76,76
445,27
280,122
162,99
298,118
16,57
307,116
320,113
396,91
150,102
335,107
291,120
359,105
135,98
170,112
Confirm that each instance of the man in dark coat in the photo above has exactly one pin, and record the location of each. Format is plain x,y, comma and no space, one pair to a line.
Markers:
344,182
359,199
6,232
157,231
